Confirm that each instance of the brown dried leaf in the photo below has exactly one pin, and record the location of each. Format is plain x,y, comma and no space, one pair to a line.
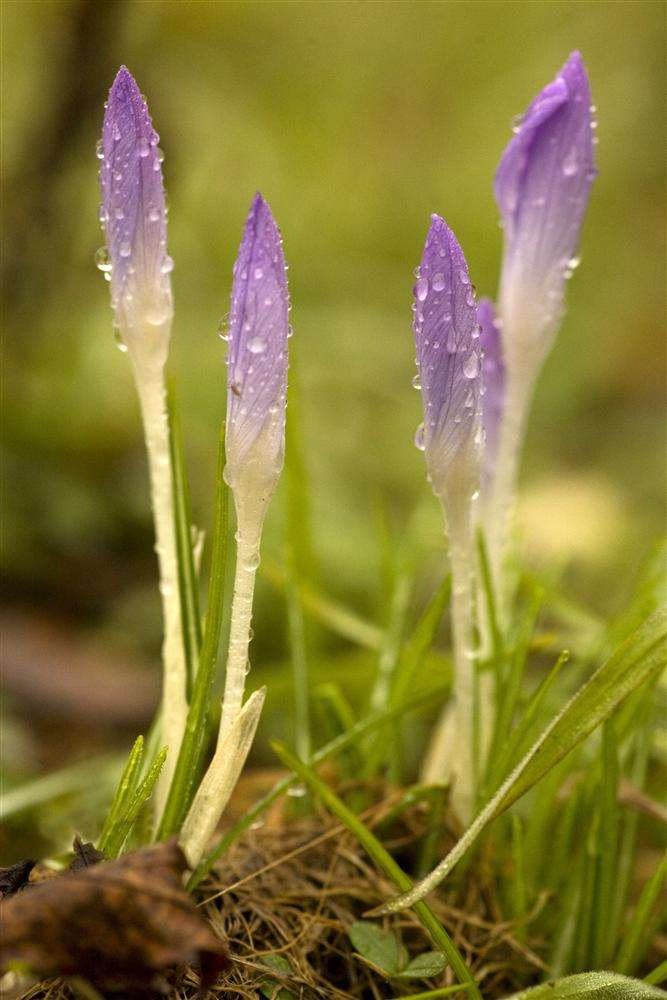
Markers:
15,877
119,924
85,855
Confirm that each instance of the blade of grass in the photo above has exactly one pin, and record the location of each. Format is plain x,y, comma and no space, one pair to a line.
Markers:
382,859
638,659
441,991
193,745
489,602
100,771
335,616
636,939
607,846
658,975
337,718
299,568
122,827
341,743
125,788
391,642
429,846
188,583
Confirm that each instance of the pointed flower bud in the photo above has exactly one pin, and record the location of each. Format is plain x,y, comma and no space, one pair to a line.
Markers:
257,355
133,212
449,362
542,187
493,378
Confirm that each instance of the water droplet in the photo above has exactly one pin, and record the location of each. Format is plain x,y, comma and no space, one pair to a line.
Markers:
416,384
99,150
469,400
251,562
120,343
102,259
438,282
119,214
296,791
421,289
573,263
125,249
153,215
160,155
167,265
256,345
471,365
258,274
144,147
223,329
570,164
451,341
102,214
420,437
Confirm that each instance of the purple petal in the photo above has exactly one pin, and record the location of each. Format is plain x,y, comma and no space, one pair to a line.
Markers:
542,187
448,357
258,332
493,378
133,212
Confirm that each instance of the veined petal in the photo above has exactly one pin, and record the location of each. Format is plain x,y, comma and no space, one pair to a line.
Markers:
257,354
449,360
542,187
493,379
133,212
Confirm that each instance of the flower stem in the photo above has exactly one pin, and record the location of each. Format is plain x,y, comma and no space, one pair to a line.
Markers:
247,560
451,754
152,393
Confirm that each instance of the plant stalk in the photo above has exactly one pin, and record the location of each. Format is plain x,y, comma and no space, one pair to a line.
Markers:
152,391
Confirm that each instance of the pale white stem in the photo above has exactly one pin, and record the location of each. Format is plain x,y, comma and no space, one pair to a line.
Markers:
501,505
248,535
218,783
451,754
149,374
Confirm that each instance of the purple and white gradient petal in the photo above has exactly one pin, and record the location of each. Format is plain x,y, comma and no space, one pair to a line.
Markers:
257,353
493,379
449,361
133,212
542,187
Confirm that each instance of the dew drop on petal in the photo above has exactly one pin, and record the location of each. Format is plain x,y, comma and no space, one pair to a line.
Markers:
471,365
416,384
99,150
125,249
570,165
167,265
256,345
421,289
102,259
438,282
258,274
420,437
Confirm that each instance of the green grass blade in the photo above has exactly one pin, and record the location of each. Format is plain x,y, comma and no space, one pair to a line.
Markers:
193,745
636,937
591,986
607,851
391,643
337,717
658,975
125,788
382,859
489,601
341,743
638,659
122,827
299,567
36,792
441,991
188,583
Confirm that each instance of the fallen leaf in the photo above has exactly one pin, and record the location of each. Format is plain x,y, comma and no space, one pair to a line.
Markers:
15,877
118,924
85,855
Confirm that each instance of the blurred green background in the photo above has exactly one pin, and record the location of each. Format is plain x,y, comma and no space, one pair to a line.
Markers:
356,121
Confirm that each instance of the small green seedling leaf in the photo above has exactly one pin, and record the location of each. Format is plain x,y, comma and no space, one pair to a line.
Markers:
592,986
271,988
425,966
381,948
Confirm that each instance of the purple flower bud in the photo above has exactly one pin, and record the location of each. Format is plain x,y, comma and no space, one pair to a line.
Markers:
493,378
133,212
542,187
257,354
449,362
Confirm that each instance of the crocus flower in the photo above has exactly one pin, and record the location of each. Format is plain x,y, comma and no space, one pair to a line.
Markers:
450,373
135,260
257,354
449,363
542,187
133,212
493,380
255,442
